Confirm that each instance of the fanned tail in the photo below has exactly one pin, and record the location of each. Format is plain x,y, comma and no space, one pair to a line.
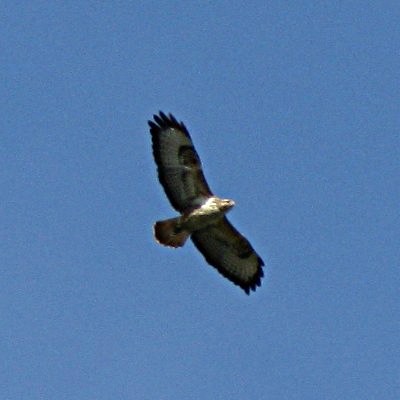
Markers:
168,233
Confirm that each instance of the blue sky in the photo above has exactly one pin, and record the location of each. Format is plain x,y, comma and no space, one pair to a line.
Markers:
294,110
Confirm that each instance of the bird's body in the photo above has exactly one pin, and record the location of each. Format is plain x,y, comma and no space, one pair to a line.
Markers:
174,232
207,214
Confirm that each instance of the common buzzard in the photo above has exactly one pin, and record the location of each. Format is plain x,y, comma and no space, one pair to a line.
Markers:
202,213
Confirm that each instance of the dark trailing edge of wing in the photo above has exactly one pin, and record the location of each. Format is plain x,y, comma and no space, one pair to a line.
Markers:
246,286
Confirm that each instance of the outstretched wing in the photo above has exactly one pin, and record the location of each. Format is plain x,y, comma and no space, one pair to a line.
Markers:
178,165
231,253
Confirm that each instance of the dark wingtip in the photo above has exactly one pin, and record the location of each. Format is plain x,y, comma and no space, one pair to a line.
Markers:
257,281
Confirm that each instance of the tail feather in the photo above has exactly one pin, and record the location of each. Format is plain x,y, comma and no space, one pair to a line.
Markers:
167,233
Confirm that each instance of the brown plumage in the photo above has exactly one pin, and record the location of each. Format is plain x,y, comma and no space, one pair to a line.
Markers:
167,232
202,213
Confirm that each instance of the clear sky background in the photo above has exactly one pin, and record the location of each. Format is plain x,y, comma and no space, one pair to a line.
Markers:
294,110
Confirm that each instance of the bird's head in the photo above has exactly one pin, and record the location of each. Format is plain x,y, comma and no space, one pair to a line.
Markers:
226,204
